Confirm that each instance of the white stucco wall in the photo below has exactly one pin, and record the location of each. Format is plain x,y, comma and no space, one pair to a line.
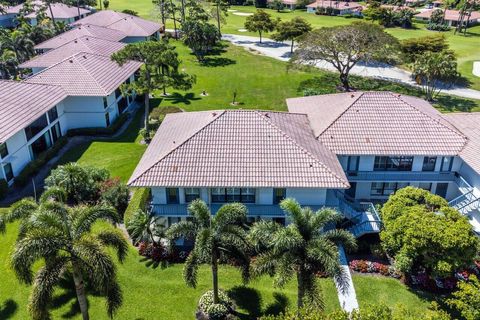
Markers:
87,112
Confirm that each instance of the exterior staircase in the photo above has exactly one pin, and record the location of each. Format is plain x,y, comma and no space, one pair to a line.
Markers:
467,201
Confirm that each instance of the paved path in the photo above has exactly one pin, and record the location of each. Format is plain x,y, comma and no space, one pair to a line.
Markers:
346,295
281,51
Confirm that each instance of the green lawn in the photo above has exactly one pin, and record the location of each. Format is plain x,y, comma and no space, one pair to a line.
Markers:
466,47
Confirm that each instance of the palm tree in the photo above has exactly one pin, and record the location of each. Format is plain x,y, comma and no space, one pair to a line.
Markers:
303,248
217,238
144,227
61,236
8,65
19,43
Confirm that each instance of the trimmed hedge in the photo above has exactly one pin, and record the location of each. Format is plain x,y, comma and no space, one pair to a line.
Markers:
3,188
34,166
99,131
137,202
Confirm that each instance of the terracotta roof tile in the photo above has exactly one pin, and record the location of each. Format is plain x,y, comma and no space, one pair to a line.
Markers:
80,31
451,15
22,103
60,10
237,148
83,44
86,74
379,123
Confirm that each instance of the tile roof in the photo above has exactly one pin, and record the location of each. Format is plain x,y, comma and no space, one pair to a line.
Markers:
451,15
60,10
379,123
132,26
80,31
341,5
468,123
83,44
22,103
237,148
86,74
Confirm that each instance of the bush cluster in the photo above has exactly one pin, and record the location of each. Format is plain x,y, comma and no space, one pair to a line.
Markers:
160,253
36,165
98,131
215,311
137,202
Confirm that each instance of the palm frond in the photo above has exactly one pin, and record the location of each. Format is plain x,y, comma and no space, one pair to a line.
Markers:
190,270
342,277
3,224
284,272
261,233
139,226
21,209
324,253
234,236
323,217
265,263
114,297
343,237
287,240
54,193
85,217
43,286
231,214
116,240
182,229
313,292
294,211
199,210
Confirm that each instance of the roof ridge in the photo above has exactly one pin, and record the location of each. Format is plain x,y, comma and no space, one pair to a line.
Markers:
341,114
458,132
289,138
222,112
88,72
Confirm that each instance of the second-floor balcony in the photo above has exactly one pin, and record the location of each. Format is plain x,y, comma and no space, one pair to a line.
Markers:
398,176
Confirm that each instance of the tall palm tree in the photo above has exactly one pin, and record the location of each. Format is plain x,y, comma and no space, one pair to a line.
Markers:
61,236
217,238
144,227
302,248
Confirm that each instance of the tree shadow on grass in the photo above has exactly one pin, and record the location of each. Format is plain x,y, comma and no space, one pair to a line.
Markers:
8,309
453,103
217,62
278,306
176,98
250,300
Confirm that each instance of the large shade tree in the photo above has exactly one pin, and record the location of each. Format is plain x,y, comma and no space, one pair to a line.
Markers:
62,238
160,70
303,248
292,30
260,22
217,238
345,46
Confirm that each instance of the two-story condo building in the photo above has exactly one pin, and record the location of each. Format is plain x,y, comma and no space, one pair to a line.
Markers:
92,83
344,151
136,29
32,119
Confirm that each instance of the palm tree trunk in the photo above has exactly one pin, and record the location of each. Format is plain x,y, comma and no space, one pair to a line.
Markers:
218,18
80,290
260,33
174,20
100,1
78,8
291,47
183,10
300,289
215,276
51,15
147,108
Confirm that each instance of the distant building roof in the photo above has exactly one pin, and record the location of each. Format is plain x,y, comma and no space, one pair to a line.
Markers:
86,74
60,10
83,44
468,123
379,123
80,31
340,5
237,148
288,2
132,26
450,15
22,103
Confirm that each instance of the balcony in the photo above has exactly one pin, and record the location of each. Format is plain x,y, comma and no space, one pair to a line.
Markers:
399,176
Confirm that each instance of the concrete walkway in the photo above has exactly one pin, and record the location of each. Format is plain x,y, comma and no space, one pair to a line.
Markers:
17,193
346,291
281,51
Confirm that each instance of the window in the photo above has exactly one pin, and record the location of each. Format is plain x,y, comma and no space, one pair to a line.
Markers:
447,163
56,132
105,103
53,114
3,150
173,220
386,188
107,119
425,186
122,105
441,189
429,163
7,168
172,195
393,164
245,195
42,144
352,164
118,93
37,126
192,194
279,195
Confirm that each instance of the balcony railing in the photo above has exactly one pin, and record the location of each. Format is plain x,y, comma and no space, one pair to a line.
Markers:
396,176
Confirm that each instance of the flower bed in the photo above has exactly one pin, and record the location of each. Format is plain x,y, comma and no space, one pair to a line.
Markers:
159,253
365,266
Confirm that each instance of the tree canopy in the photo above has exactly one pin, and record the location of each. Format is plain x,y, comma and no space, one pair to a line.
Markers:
292,30
422,231
260,22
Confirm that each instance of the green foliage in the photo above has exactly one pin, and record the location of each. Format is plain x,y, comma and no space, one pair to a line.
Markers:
300,249
144,227
260,22
201,37
138,202
215,311
130,12
434,70
421,230
276,5
388,16
36,165
437,21
466,300
116,194
415,47
98,131
291,30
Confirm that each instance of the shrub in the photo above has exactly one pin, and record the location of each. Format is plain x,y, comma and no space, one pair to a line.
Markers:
3,188
99,131
34,166
411,48
137,202
115,193
159,113
216,311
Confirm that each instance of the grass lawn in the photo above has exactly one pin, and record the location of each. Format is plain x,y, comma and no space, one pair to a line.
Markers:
466,47
377,289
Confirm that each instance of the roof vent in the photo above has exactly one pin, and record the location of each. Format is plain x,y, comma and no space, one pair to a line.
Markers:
331,137
214,114
352,96
84,57
71,61
311,165
75,41
267,115
174,142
